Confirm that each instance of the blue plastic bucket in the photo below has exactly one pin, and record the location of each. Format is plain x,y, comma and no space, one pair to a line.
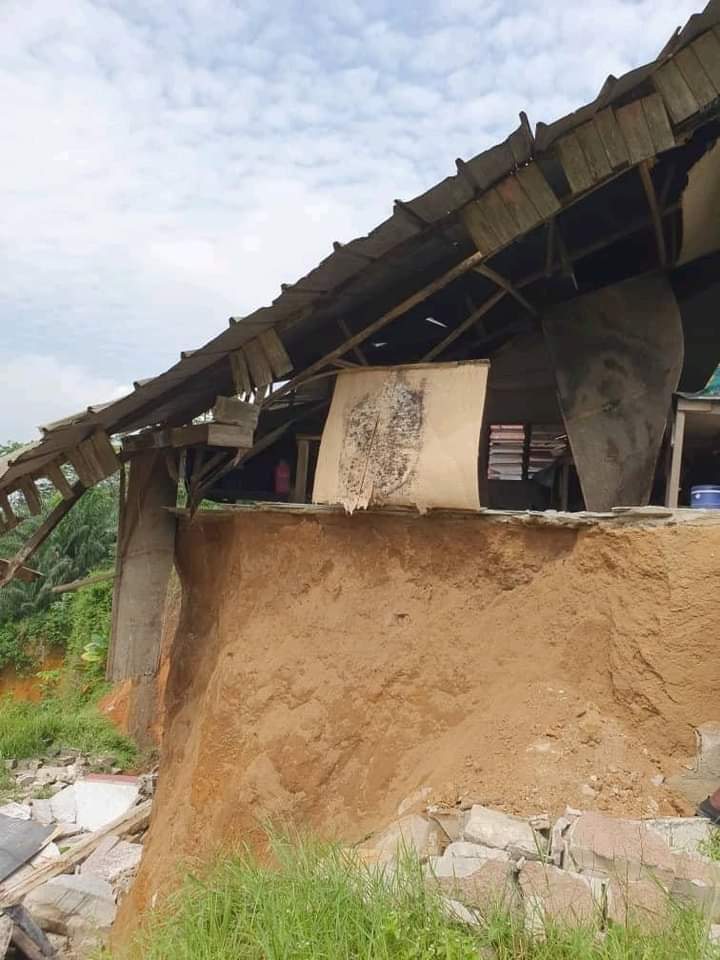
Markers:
705,498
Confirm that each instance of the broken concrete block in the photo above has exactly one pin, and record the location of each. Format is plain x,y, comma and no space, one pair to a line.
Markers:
484,884
477,851
624,849
454,910
112,860
64,805
558,841
100,798
46,776
492,828
24,780
414,802
697,882
684,834
557,895
642,903
415,834
450,819
42,811
18,811
70,903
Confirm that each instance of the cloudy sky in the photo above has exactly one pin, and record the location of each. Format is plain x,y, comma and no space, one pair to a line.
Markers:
168,163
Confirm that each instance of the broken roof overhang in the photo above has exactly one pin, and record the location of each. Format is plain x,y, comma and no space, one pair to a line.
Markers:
669,98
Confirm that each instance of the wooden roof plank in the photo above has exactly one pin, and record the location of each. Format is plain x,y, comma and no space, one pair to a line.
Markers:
612,138
104,453
695,76
538,190
594,150
32,497
658,122
515,198
58,479
277,355
636,132
500,217
482,233
574,164
260,370
707,50
240,372
676,93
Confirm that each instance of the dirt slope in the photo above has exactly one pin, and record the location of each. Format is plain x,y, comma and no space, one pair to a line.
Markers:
326,668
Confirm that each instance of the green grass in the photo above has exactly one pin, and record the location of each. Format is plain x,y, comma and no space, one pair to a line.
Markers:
31,729
711,846
313,903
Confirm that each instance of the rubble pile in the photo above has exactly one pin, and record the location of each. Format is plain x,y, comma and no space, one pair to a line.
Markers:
70,846
583,867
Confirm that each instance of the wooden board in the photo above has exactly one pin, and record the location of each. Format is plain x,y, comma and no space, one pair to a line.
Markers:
517,202
6,507
240,372
636,132
483,235
84,471
658,123
694,74
501,220
32,497
678,97
538,190
612,138
58,479
237,412
707,50
104,453
575,166
276,353
594,150
26,574
260,370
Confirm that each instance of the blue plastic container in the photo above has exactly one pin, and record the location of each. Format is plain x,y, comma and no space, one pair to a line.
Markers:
706,497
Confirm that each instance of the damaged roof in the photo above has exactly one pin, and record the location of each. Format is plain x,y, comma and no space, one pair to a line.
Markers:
492,200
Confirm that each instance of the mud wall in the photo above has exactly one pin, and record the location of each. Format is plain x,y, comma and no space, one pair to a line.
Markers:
327,667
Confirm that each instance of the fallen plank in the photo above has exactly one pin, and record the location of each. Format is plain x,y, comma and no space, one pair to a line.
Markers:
135,819
27,935
26,574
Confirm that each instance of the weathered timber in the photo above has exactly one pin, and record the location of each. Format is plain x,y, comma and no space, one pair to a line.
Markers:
469,322
32,497
232,411
636,132
652,200
26,574
40,535
128,823
419,297
275,352
58,479
676,93
260,370
240,372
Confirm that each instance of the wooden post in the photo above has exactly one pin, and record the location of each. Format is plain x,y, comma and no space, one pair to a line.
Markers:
672,494
301,471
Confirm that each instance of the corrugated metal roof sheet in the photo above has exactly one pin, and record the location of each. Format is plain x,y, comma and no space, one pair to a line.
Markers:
353,271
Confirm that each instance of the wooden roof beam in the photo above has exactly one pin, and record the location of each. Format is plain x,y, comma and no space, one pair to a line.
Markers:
655,213
40,535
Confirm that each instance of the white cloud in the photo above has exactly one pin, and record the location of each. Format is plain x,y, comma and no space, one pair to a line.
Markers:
40,383
167,165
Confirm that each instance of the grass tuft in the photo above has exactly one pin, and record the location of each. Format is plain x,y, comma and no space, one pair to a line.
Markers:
711,847
31,729
315,903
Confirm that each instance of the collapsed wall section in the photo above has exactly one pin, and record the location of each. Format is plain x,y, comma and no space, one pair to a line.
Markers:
326,667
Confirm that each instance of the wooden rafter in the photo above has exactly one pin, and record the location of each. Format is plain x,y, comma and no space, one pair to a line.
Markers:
470,321
412,301
356,350
504,284
40,535
655,213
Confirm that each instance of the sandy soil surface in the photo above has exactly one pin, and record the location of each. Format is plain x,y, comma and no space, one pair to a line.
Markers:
325,668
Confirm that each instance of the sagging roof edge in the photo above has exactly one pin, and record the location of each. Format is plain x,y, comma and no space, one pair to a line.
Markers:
670,79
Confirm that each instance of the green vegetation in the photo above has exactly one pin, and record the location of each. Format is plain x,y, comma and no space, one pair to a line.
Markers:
711,846
34,729
34,620
316,903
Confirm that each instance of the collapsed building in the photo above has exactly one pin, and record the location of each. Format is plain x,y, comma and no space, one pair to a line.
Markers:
556,300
